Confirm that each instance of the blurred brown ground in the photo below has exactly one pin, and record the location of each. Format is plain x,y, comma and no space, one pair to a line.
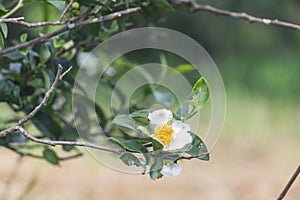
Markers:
239,169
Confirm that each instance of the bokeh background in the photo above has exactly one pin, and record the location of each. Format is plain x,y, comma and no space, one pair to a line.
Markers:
259,147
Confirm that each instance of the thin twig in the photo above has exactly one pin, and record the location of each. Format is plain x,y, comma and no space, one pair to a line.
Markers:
65,10
46,37
289,184
194,7
20,20
18,126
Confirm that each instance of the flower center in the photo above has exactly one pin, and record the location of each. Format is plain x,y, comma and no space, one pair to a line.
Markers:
164,133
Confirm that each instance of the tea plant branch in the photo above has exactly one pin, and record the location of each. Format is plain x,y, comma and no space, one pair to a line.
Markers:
65,10
289,184
194,7
18,127
20,20
68,27
22,154
189,157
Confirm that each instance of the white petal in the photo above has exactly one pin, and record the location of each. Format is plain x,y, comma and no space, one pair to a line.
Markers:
173,170
160,117
181,139
179,126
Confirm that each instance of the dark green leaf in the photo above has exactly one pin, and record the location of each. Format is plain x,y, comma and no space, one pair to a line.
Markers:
130,159
46,123
69,134
130,145
157,146
51,156
198,148
156,167
9,92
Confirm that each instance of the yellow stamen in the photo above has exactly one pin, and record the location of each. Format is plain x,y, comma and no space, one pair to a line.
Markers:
164,133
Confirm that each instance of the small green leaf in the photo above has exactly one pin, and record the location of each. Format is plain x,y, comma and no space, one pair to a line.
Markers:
184,68
23,37
200,94
157,146
130,145
140,114
57,42
4,29
198,148
51,156
128,122
156,167
125,121
130,159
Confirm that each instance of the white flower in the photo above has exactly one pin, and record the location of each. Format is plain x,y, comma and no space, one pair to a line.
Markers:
171,170
160,117
173,134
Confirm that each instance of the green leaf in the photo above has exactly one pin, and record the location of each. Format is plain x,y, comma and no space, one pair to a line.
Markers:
51,156
200,94
130,145
125,121
2,44
9,92
198,148
69,134
130,159
59,4
157,146
128,122
23,37
58,42
140,114
2,8
4,29
45,121
184,68
156,167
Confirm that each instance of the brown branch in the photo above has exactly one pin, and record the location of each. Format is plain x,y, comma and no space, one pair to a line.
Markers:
289,184
18,126
27,154
194,7
20,20
70,26
54,143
